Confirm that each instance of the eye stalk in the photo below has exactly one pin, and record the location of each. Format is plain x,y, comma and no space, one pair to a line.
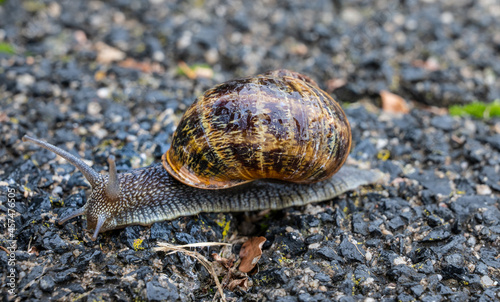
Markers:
111,189
100,223
80,211
90,174
113,186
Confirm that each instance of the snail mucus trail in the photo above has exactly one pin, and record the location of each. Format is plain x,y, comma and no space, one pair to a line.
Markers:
266,142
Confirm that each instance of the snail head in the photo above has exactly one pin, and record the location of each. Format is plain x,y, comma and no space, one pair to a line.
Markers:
105,193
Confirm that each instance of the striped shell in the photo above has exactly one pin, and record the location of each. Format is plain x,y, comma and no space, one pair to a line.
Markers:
277,125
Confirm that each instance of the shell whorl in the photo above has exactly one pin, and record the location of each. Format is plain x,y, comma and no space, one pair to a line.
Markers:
278,125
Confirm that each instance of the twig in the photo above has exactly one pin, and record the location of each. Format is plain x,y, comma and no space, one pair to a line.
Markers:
170,248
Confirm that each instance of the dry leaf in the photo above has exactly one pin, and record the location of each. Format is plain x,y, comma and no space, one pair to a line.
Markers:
333,84
299,49
3,117
430,64
393,103
107,54
436,110
146,67
250,253
186,70
203,72
80,37
33,250
227,263
241,283
196,71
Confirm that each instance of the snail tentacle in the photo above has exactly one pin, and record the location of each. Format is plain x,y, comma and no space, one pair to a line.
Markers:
90,174
64,218
100,222
113,186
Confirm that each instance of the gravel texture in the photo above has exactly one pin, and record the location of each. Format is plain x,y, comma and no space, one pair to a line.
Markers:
100,78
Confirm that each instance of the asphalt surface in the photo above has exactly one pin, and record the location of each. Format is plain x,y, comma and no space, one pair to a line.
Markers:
107,78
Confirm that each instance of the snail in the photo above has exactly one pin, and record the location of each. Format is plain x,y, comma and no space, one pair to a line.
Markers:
266,142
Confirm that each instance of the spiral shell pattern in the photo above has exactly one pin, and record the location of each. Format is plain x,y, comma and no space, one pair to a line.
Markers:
278,125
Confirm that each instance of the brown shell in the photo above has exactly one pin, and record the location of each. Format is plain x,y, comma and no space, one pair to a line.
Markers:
278,125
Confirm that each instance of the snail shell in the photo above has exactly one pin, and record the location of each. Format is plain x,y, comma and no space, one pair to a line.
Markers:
277,125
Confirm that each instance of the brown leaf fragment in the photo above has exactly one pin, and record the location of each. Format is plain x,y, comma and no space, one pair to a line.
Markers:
107,54
33,250
3,117
203,72
393,103
333,84
250,253
241,283
195,72
186,70
431,64
145,66
227,263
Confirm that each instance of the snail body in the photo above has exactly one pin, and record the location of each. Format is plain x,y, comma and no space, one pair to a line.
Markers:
279,125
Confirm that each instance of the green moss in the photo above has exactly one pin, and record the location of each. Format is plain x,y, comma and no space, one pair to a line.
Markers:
477,109
6,47
33,6
193,68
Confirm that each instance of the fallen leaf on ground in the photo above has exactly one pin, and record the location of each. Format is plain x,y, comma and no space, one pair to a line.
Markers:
430,64
186,70
241,283
195,71
227,263
146,67
107,54
250,253
33,250
203,72
333,84
393,103
3,117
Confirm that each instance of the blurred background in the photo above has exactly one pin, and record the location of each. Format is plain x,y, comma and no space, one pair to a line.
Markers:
435,52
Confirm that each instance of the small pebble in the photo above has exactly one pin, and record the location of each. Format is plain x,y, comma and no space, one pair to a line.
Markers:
487,282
